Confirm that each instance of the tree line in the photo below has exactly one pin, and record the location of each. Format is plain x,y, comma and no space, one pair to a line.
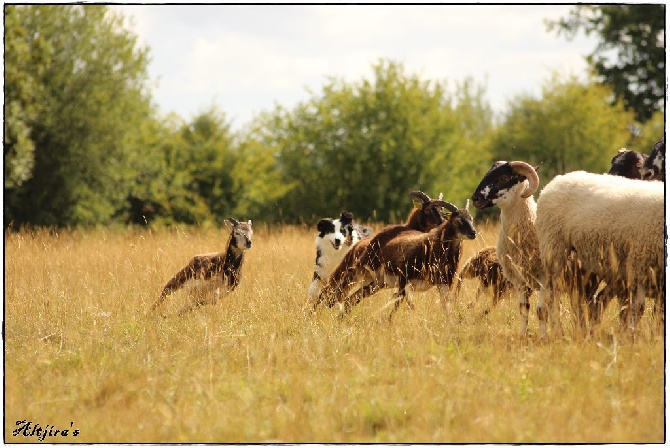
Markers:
84,144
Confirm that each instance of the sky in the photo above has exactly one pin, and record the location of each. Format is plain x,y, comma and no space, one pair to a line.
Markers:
245,59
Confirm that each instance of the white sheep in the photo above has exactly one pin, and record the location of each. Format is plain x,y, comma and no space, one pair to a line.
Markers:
510,186
614,228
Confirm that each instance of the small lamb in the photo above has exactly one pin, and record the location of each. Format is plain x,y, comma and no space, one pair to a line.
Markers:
485,267
207,275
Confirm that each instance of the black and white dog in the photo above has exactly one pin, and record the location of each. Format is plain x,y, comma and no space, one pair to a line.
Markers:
335,238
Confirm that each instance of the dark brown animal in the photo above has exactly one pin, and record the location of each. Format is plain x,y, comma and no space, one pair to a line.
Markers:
484,266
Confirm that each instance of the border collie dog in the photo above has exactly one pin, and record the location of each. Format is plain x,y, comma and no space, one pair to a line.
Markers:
335,238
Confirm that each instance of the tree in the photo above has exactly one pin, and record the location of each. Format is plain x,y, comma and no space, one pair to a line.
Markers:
571,127
364,146
76,97
630,56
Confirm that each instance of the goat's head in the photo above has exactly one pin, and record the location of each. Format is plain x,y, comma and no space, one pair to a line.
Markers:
503,182
654,167
459,220
427,213
627,163
241,233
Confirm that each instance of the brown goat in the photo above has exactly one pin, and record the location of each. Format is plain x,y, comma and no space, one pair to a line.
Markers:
485,267
209,273
426,215
406,256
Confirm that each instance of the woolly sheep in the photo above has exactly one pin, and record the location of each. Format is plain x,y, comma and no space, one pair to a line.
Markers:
614,227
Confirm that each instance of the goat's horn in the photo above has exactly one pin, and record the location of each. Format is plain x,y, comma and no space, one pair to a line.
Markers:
448,205
234,221
525,169
420,195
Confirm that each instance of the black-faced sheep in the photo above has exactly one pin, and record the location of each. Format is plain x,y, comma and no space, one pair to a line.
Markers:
510,186
484,267
614,228
628,164
208,276
654,166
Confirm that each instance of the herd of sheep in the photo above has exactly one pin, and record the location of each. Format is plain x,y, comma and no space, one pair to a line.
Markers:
594,237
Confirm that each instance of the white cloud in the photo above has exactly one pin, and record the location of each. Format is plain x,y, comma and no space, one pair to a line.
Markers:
247,58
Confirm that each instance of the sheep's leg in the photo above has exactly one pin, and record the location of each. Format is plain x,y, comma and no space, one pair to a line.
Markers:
634,309
524,307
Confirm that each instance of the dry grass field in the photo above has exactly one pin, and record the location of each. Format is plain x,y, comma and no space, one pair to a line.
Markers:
82,354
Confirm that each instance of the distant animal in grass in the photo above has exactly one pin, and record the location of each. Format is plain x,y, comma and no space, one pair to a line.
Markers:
484,266
209,276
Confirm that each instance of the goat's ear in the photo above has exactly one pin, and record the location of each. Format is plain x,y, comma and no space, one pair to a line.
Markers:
467,203
231,223
540,164
249,223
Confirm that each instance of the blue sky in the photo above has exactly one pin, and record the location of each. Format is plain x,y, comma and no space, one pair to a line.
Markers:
244,59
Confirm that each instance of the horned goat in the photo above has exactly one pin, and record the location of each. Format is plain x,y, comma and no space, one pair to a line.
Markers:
208,276
425,215
614,227
408,257
335,238
510,186
654,166
484,266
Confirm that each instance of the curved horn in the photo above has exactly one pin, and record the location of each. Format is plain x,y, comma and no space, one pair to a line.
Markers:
448,205
420,195
524,169
233,221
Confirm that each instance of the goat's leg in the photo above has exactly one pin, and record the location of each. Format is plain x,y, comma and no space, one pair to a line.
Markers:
399,296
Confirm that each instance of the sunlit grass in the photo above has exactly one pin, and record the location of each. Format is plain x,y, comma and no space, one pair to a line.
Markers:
260,366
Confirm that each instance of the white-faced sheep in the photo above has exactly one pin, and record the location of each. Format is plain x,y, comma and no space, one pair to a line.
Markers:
426,215
654,166
208,276
409,257
510,186
335,238
614,228
628,164
484,267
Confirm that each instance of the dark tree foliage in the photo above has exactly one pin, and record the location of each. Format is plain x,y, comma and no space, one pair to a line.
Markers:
630,56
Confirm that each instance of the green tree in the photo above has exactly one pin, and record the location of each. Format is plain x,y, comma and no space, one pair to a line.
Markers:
76,99
630,56
571,127
364,146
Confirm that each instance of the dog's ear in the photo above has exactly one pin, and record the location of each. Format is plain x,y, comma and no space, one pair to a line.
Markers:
325,225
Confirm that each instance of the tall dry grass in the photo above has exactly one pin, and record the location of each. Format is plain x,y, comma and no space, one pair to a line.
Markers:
80,353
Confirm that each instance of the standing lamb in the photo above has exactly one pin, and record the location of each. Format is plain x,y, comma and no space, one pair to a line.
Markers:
485,267
336,237
510,186
207,275
426,215
406,256
654,166
614,227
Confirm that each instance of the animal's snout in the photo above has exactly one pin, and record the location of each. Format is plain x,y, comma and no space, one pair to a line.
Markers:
248,243
337,243
478,200
472,234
